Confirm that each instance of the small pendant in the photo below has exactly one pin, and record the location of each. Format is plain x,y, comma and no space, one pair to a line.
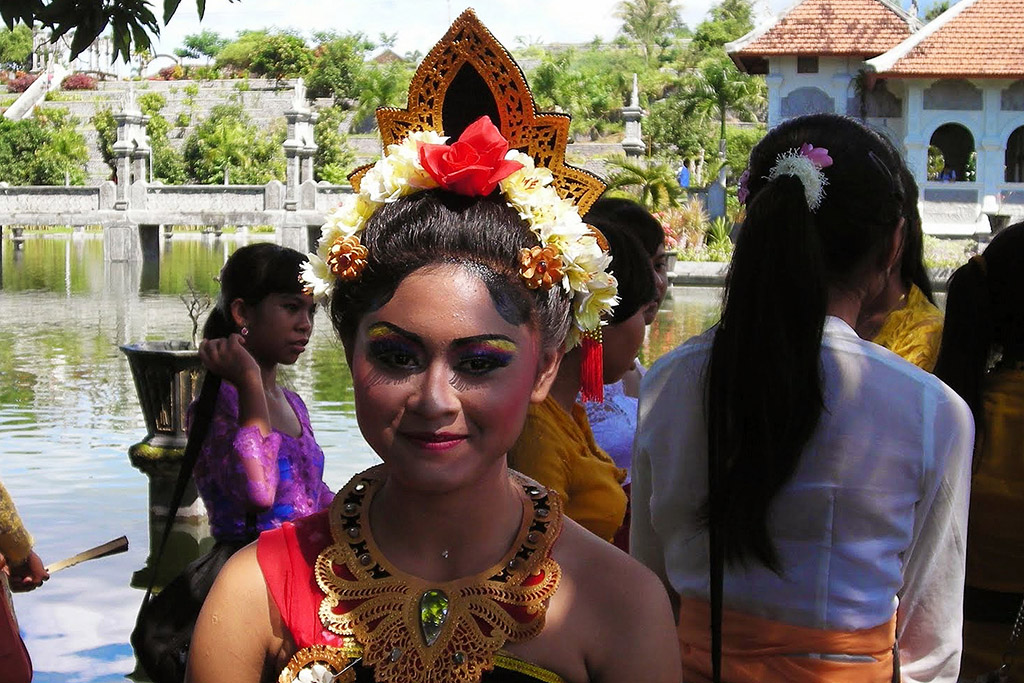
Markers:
433,614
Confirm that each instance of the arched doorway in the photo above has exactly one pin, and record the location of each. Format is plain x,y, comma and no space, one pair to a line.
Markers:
951,155
1015,157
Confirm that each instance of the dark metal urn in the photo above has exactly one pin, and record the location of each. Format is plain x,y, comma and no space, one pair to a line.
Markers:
167,376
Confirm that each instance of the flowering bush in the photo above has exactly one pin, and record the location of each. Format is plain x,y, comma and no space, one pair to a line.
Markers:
171,73
668,227
21,82
78,82
684,225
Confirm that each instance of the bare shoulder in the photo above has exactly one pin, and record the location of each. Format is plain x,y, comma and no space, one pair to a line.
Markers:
596,565
237,627
621,609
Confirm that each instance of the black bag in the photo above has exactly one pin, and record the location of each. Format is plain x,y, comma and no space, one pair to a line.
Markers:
163,629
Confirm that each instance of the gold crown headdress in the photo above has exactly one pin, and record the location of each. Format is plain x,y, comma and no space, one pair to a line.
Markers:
469,87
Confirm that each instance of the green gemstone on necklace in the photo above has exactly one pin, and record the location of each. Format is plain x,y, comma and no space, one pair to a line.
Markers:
433,613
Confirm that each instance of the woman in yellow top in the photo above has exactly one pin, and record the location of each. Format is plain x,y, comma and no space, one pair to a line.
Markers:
25,567
985,320
556,447
904,318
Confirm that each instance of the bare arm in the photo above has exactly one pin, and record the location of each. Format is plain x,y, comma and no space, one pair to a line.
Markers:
235,636
641,633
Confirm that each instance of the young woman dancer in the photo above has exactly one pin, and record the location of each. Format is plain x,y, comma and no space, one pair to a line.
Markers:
454,276
809,484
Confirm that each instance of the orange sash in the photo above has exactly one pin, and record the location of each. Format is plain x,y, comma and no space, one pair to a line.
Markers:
759,650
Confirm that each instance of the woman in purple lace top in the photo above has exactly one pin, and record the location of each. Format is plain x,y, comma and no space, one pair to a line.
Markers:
259,465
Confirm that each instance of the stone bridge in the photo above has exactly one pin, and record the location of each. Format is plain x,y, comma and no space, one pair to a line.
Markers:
131,222
132,209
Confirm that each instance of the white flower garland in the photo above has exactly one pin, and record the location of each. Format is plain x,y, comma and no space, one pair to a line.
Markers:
796,163
529,190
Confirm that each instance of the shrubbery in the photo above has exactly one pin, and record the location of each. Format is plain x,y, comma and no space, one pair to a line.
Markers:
334,159
78,82
21,82
229,141
42,150
171,73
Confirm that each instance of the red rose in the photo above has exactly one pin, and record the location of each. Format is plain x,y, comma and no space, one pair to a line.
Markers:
474,164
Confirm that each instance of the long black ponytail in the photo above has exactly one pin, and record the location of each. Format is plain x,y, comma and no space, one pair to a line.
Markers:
764,387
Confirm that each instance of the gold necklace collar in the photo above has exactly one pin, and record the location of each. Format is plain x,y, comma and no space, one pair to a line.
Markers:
413,631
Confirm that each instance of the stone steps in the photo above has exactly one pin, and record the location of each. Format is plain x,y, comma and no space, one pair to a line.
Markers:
264,103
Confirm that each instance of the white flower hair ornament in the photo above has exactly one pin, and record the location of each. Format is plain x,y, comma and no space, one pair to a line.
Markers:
569,255
806,164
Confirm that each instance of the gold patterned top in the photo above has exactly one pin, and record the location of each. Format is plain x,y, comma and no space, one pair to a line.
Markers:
914,331
410,630
15,541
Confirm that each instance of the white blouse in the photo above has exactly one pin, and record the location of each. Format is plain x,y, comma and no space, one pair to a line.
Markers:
873,521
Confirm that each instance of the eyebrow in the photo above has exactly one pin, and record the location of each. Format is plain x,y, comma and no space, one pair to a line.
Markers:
483,338
462,341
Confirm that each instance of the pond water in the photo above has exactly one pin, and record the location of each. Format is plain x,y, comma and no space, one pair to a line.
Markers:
69,413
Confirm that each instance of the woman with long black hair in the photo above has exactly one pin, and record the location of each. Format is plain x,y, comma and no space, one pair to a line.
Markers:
800,489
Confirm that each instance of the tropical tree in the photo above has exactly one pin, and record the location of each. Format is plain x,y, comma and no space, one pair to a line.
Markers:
381,85
586,84
935,10
650,23
727,21
132,22
237,55
282,55
716,88
228,144
653,184
337,65
205,44
15,47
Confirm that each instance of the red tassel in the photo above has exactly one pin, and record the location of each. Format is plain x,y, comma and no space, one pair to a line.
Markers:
592,367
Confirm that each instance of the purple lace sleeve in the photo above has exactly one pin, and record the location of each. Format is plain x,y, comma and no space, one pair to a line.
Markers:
240,470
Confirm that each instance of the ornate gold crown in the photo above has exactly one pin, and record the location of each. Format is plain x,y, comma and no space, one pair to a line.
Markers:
469,74
469,87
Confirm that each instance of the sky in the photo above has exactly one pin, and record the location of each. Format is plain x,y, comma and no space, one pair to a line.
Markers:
420,23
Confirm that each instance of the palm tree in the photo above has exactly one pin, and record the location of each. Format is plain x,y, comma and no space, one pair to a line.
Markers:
653,184
383,85
228,146
648,22
716,88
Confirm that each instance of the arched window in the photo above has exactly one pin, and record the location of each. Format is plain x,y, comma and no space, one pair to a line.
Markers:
951,155
1015,157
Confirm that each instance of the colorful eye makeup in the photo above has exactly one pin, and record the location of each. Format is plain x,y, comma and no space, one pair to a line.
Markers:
391,348
494,352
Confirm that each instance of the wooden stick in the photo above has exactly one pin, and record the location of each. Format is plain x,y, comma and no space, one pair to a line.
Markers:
118,545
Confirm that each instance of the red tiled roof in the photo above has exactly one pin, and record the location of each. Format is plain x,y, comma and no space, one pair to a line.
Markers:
984,40
833,27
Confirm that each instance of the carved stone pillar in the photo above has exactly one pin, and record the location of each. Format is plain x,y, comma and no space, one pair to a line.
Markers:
633,142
